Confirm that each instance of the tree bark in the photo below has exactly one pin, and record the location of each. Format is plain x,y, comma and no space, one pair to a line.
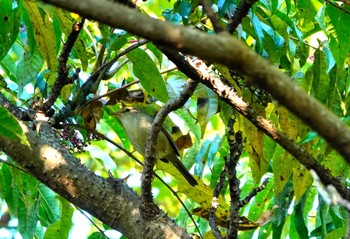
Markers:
109,200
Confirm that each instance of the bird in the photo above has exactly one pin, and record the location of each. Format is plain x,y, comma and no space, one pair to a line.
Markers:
137,123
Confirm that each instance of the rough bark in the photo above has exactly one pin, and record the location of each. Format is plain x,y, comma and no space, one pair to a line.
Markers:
109,200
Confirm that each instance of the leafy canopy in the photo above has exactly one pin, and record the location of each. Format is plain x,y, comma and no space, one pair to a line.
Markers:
307,40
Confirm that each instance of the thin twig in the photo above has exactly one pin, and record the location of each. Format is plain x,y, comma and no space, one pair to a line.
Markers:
214,205
239,14
90,86
147,174
236,147
13,165
92,222
63,78
254,193
215,21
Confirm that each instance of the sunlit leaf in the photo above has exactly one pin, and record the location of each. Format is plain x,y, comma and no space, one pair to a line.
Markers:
12,128
44,32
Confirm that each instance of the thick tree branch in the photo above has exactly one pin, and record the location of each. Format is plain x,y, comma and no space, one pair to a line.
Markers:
228,95
223,49
115,204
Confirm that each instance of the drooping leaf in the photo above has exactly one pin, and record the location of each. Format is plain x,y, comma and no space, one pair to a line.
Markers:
283,201
207,106
44,32
339,43
48,208
320,82
27,218
9,20
29,67
60,229
299,219
254,147
302,180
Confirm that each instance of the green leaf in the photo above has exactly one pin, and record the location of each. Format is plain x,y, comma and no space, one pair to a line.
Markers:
340,44
44,33
29,67
254,147
148,74
320,83
337,233
96,235
27,218
207,106
260,202
190,122
11,194
11,129
48,208
185,8
283,200
299,219
202,157
60,229
9,21
302,180
9,66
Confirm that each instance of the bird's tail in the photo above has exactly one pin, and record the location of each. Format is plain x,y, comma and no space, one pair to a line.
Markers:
182,169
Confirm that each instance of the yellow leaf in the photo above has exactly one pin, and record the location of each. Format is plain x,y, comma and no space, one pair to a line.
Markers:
302,180
44,33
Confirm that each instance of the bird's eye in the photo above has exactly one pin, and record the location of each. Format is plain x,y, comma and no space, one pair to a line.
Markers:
127,110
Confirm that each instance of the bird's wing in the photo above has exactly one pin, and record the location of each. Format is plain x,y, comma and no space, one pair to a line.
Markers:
172,143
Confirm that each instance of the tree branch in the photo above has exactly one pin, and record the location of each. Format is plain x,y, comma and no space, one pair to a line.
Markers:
228,95
223,49
147,173
114,204
63,78
239,14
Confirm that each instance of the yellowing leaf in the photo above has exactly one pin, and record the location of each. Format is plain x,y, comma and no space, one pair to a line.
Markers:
184,142
302,180
44,33
254,147
289,123
282,170
92,113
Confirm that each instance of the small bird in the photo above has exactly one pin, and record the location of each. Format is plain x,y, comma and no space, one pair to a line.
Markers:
137,123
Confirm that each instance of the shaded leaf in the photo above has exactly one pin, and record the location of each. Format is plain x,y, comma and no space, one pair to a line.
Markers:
207,106
92,113
29,67
148,74
9,20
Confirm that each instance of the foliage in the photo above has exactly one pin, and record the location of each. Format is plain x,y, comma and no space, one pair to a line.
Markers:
307,40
